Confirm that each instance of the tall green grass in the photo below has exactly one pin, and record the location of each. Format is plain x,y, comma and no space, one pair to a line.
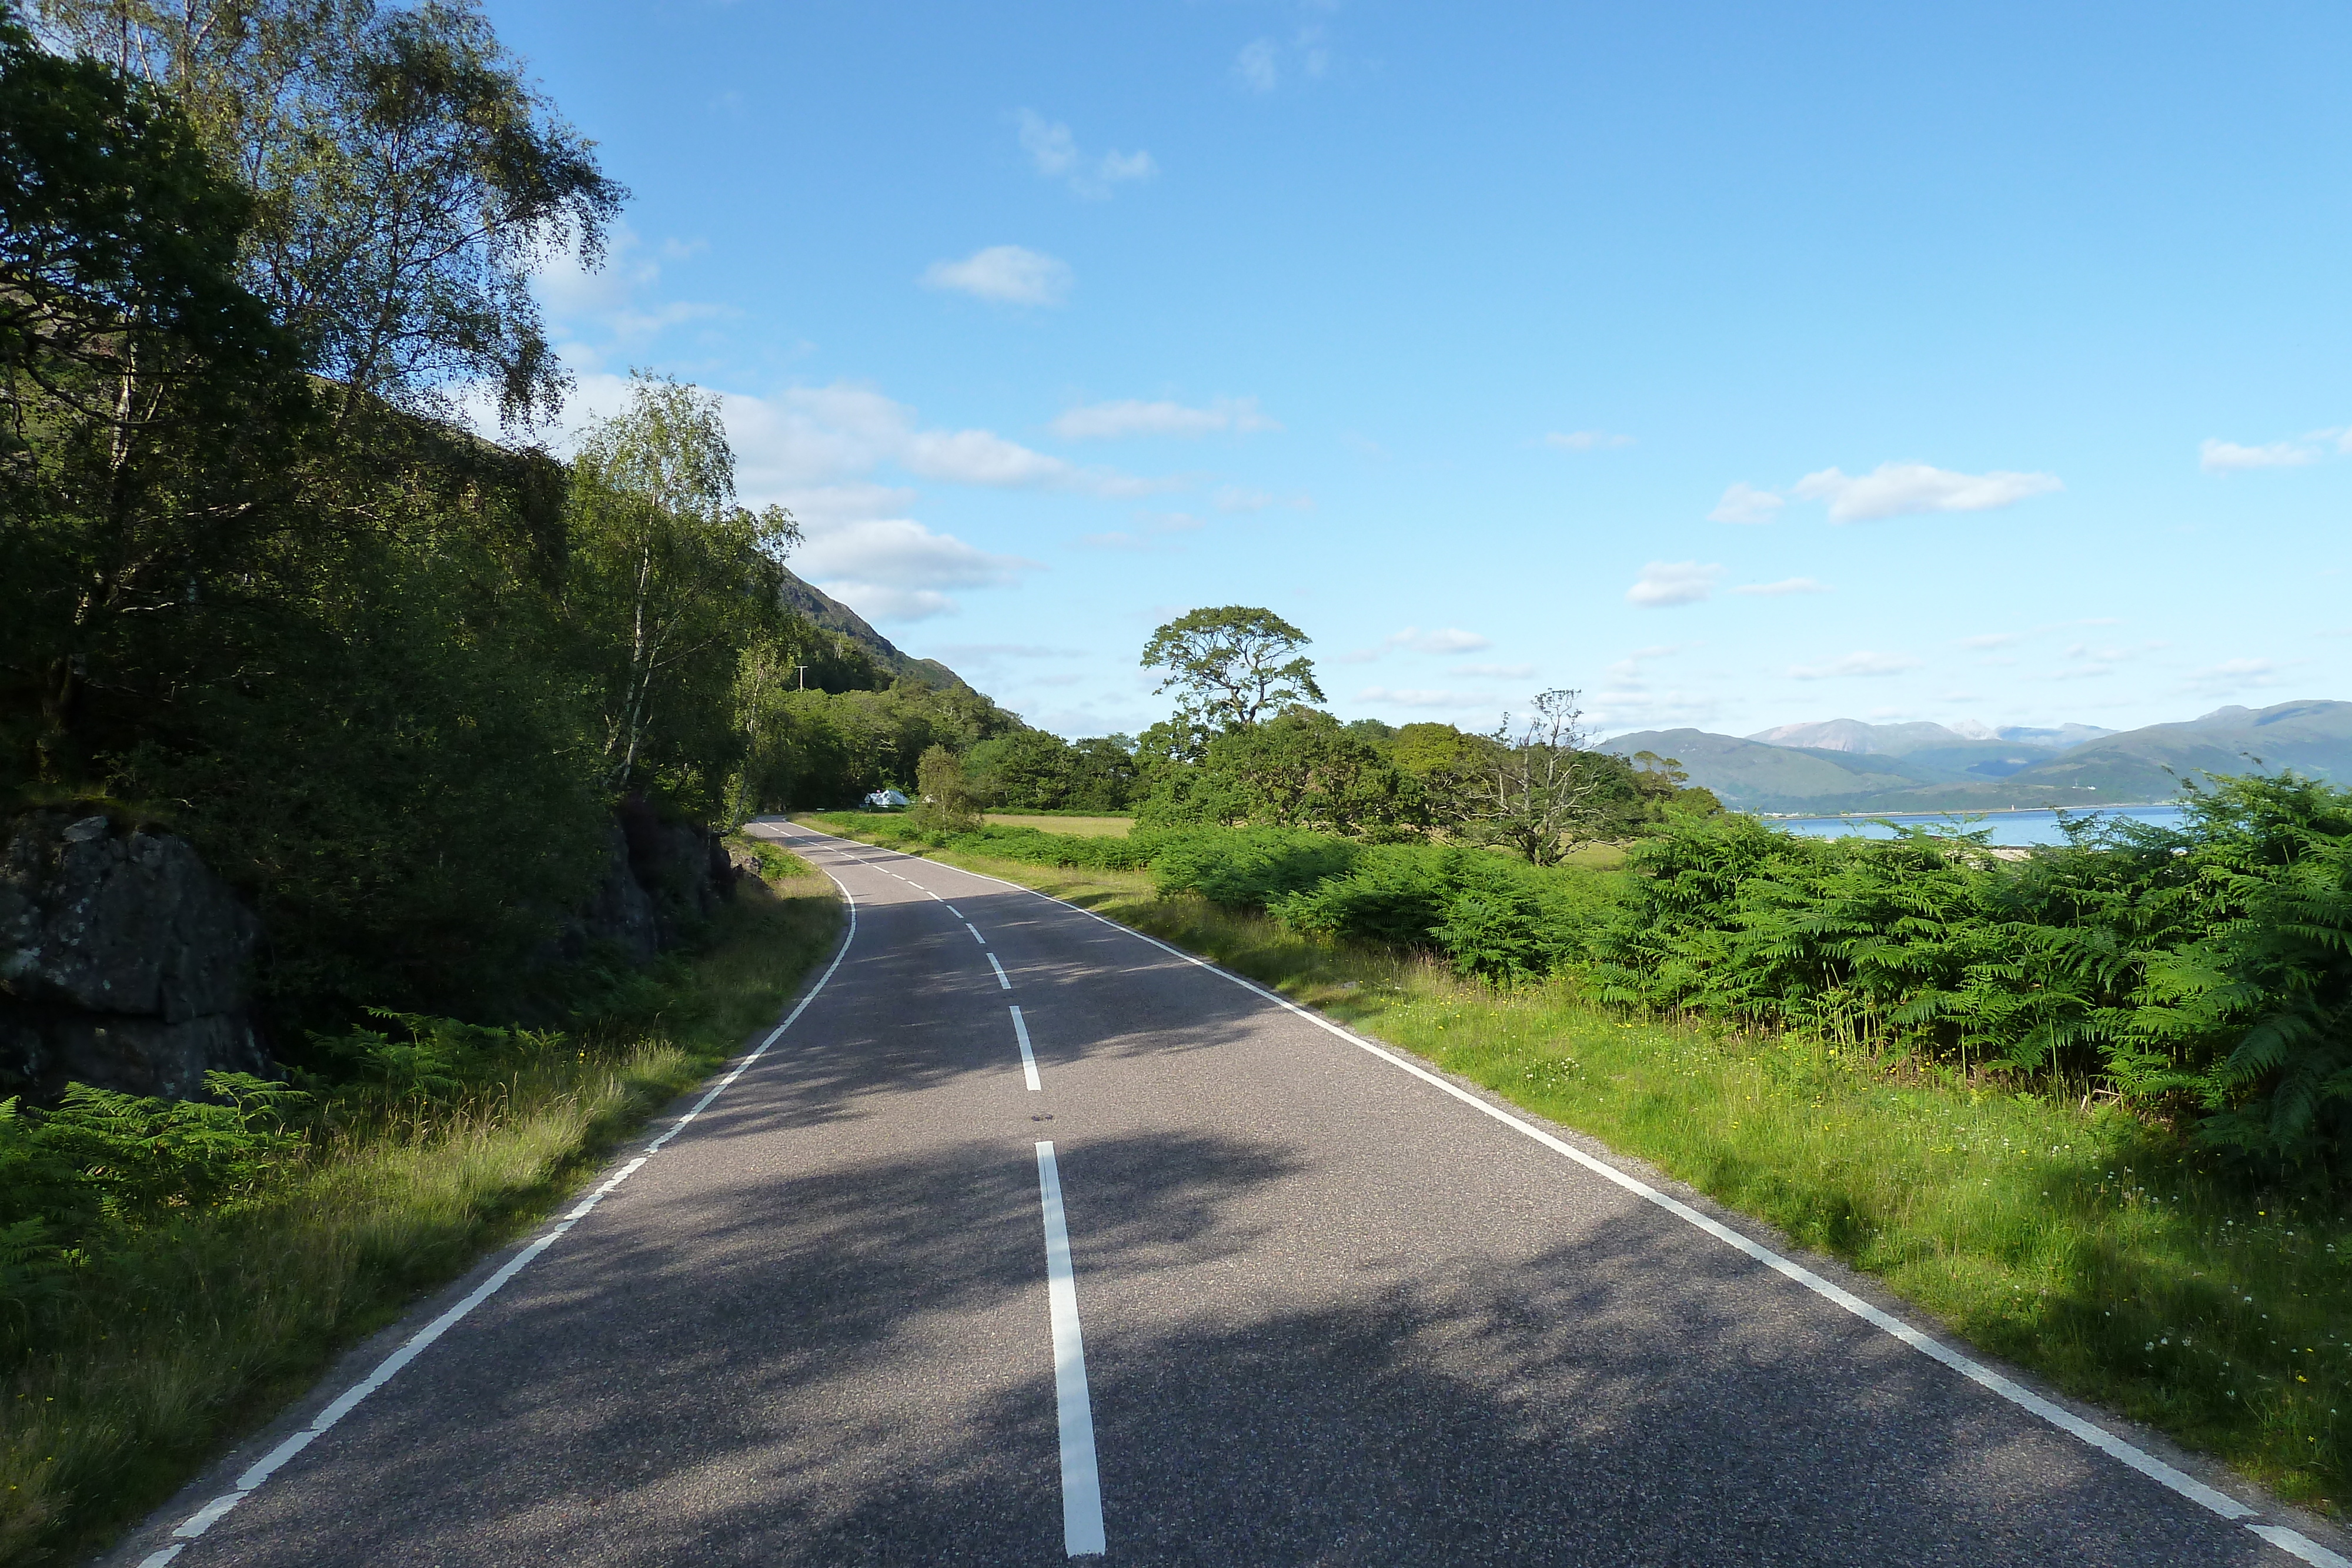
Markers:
196,1328
2068,1237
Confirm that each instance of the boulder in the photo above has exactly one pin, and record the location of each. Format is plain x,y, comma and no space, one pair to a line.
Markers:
659,880
124,963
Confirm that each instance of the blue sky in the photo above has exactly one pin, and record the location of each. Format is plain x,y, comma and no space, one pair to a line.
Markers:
1736,365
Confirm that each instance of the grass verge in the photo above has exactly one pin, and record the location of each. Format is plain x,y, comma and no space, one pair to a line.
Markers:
2071,1240
1082,827
200,1329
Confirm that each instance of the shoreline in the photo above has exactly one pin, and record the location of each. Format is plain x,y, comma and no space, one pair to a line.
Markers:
1958,812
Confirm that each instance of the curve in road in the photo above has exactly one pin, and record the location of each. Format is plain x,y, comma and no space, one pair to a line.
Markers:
1025,1237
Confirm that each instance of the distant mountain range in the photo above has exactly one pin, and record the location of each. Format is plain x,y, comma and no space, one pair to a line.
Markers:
1844,764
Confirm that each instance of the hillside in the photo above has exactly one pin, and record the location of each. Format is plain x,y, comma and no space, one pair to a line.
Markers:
2116,768
834,616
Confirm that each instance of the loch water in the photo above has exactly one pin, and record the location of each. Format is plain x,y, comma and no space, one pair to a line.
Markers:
2009,828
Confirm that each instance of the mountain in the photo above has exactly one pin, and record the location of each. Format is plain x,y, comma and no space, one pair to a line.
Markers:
1755,775
2111,769
1853,734
1903,739
834,616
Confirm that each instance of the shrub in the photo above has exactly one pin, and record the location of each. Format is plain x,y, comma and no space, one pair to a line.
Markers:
1248,868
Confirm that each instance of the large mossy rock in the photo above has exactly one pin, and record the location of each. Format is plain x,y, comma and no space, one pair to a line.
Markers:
124,963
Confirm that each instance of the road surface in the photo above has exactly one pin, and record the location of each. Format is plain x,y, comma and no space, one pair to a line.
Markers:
1029,1239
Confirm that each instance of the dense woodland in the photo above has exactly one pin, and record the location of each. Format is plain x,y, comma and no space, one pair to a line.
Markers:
260,584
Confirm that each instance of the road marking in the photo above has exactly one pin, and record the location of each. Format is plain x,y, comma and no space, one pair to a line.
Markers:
2131,1455
1002,981
976,936
1082,1520
935,896
213,1512
1028,1062
953,910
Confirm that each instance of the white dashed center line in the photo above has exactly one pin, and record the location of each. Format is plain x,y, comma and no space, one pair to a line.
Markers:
1082,1520
1028,1061
1000,978
976,936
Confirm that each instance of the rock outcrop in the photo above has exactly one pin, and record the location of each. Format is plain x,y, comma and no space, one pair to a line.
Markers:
659,880
124,963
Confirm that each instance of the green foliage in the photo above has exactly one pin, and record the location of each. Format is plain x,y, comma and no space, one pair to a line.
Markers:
1035,770
1248,868
1232,665
944,801
136,1347
671,585
1492,915
1027,845
1302,768
405,181
828,749
2209,967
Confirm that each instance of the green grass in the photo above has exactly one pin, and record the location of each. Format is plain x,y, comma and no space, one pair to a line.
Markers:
199,1330
1081,826
2076,1241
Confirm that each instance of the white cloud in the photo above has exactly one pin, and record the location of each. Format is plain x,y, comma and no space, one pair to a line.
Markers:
1055,153
1237,498
1584,440
979,457
1258,66
1905,489
1130,416
1627,672
1669,583
1743,503
610,300
1004,275
1411,698
1856,664
2230,457
895,569
2237,674
817,437
1619,710
1007,650
1450,640
1787,585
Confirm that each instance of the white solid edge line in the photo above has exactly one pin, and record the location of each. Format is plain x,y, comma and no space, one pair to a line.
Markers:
1082,1518
1003,981
2296,1545
212,1513
1028,1062
1976,1372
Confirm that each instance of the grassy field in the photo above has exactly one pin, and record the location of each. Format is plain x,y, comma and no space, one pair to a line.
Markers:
2079,1242
1081,826
200,1329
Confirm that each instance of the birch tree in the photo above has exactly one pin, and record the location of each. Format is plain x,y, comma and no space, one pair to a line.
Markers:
406,183
672,578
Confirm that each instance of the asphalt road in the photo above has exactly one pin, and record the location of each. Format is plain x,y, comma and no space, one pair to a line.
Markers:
1313,1309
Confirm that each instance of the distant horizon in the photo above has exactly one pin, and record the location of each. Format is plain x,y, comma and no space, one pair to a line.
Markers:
1889,723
